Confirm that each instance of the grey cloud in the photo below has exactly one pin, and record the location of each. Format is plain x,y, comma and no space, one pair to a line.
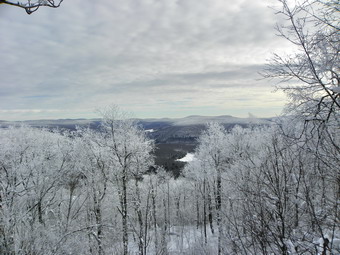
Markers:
85,52
246,71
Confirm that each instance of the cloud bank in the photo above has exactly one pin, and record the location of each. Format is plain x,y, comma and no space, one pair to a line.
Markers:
156,58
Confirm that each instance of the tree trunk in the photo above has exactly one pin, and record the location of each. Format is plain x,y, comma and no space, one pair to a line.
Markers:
140,219
124,213
197,208
99,228
146,221
210,215
218,210
204,212
165,231
154,214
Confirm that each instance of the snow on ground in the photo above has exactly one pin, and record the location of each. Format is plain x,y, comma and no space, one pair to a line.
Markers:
187,158
149,130
188,240
181,240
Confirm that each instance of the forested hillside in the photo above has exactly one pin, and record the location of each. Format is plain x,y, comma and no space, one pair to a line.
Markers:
173,138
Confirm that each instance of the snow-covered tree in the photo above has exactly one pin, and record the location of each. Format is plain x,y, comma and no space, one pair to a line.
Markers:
129,158
310,74
310,77
32,164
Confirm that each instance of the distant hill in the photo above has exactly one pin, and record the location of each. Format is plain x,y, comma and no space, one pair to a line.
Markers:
188,129
58,123
163,130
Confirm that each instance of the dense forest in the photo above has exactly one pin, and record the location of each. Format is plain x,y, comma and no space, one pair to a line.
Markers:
257,190
249,191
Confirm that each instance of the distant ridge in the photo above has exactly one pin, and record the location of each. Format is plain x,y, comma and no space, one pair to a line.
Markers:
164,130
53,123
223,119
188,129
189,120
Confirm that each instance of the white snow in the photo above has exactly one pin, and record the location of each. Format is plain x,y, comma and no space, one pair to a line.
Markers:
187,158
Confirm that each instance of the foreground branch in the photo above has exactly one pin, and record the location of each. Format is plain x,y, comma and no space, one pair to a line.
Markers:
31,7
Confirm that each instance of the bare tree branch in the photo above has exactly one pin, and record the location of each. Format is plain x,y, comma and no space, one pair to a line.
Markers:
32,6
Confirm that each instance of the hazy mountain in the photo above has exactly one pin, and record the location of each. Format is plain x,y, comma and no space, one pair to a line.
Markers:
163,130
58,123
188,129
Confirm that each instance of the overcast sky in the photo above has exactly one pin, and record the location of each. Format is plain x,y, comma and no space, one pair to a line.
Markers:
155,58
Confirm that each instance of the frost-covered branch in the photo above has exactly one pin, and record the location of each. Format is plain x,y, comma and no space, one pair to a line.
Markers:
32,6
